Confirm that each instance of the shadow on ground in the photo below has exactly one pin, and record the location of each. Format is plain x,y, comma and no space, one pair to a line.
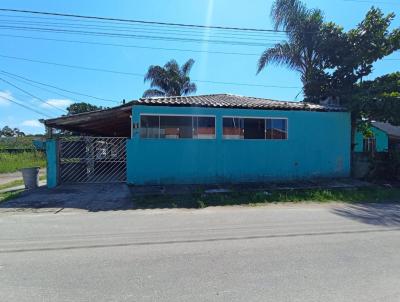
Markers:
383,214
89,197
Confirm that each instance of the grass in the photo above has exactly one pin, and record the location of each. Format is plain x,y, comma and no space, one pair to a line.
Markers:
9,195
24,142
17,182
199,200
11,162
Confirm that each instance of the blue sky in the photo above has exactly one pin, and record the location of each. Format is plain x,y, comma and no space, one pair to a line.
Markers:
208,66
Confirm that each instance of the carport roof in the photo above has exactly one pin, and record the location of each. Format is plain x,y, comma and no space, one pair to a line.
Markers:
108,122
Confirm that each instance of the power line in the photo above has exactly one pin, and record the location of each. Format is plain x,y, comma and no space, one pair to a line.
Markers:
134,28
151,27
74,66
58,88
139,21
26,107
130,46
132,36
32,95
142,75
40,87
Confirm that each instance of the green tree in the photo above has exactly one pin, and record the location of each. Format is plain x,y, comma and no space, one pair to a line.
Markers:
331,61
7,132
378,99
170,79
82,107
350,57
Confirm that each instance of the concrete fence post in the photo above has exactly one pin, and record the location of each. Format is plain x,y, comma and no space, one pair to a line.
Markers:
52,162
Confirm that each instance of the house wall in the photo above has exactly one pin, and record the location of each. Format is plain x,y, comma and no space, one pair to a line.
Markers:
382,140
318,145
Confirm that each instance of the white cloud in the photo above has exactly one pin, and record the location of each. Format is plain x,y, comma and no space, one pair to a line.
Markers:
32,123
59,103
5,94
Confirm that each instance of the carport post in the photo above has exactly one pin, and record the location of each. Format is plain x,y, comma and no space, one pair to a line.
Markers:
52,162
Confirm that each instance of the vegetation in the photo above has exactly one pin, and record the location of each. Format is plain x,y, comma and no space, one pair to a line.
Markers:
333,62
6,131
199,200
17,182
9,195
22,142
82,107
170,80
11,162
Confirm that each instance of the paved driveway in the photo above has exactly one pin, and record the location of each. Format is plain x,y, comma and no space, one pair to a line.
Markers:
275,253
88,197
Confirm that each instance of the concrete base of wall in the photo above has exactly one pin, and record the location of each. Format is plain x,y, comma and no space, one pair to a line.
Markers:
360,165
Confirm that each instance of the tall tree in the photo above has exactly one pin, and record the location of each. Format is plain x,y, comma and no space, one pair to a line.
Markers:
299,52
331,61
170,79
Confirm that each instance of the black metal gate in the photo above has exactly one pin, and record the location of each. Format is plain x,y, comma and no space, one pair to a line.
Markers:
85,159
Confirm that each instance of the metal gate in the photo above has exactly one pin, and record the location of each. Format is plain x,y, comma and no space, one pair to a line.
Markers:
92,159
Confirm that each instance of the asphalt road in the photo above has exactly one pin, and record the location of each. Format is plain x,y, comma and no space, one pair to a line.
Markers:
276,253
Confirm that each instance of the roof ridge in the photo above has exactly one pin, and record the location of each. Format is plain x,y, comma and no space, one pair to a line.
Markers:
181,96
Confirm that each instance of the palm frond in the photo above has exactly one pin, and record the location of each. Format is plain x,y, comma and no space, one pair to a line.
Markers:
152,93
281,54
286,14
185,70
169,80
188,88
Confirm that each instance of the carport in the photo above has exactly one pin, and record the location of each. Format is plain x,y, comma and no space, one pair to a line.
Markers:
92,147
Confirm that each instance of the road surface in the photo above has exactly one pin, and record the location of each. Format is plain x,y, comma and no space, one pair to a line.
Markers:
275,253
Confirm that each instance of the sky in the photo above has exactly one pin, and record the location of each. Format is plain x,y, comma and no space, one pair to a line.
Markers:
212,63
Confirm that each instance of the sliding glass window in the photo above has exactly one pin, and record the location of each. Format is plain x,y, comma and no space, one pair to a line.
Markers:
254,128
177,127
276,128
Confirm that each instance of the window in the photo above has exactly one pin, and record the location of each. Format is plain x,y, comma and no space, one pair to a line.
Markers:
254,128
369,144
149,126
174,127
177,127
203,127
233,128
276,129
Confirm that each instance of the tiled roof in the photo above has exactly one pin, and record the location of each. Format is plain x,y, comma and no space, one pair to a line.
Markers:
234,101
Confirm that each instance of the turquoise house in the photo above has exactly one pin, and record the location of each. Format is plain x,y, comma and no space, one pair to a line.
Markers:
218,138
384,137
377,142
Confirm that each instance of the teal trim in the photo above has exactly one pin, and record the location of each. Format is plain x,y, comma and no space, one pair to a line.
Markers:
318,145
382,140
52,163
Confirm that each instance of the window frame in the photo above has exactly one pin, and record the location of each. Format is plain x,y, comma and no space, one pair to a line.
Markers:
178,115
370,143
265,118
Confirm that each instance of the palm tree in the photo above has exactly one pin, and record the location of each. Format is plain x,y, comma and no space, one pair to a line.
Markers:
170,80
302,26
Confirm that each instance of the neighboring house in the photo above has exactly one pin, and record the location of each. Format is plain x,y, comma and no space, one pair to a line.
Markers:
384,137
218,138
